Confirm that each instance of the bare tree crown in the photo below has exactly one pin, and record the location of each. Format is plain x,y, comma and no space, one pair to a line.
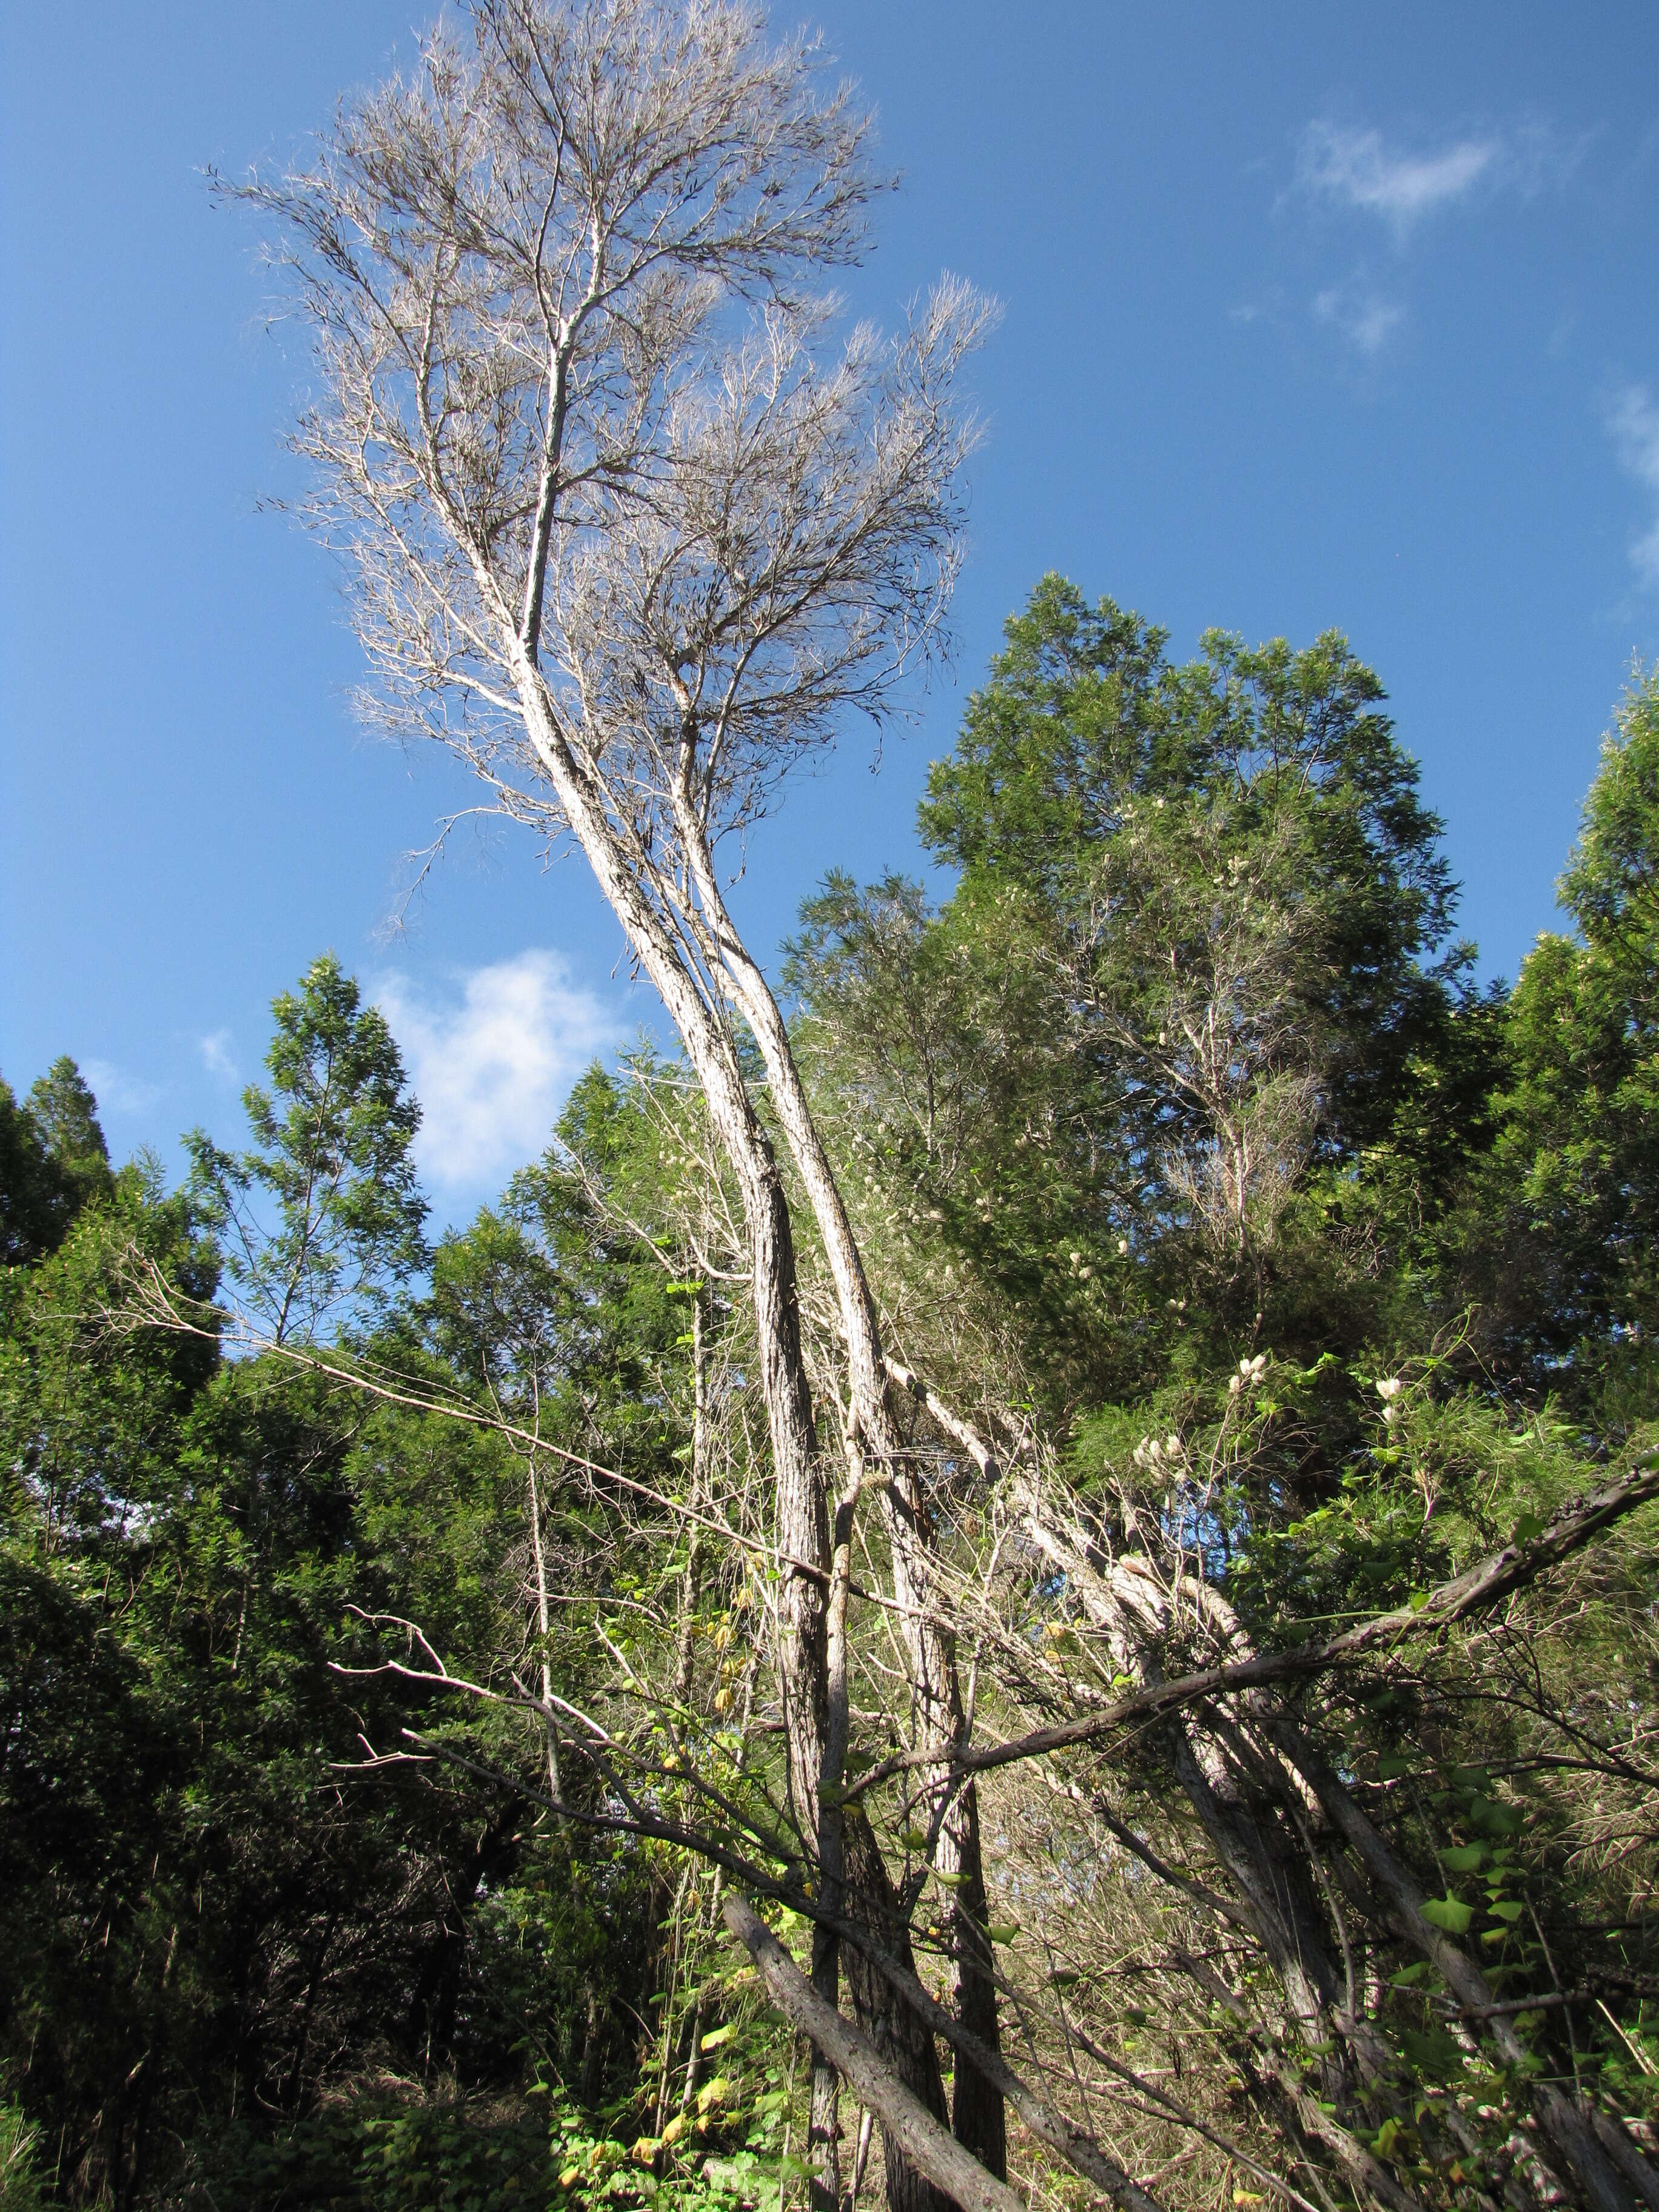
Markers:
608,480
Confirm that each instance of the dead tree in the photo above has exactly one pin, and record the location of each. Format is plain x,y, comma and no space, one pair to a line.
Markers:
632,532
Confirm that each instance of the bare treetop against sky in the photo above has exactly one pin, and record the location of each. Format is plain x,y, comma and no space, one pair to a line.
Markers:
1308,322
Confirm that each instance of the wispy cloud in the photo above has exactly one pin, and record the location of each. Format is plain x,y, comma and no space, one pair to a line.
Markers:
1632,419
216,1056
493,1062
1357,169
1354,168
117,1090
1359,314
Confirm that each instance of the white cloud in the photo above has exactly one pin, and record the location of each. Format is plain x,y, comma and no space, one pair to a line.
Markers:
1632,417
117,1090
1359,314
216,1056
1355,168
492,1067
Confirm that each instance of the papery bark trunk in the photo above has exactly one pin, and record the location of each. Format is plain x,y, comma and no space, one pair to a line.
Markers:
803,1535
979,2119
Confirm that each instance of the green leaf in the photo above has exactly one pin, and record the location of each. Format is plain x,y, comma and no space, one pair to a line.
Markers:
717,2036
1525,1529
1495,1820
1448,1913
1464,1858
1509,1909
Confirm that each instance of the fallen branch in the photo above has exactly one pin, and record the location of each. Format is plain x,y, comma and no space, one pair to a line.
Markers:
1078,2149
1481,1585
930,2147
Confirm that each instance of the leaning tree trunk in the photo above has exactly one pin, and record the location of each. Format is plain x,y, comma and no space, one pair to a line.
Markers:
1231,1775
1264,1859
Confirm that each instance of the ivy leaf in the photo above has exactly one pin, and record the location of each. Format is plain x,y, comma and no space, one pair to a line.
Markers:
1464,1858
1383,2140
1448,1913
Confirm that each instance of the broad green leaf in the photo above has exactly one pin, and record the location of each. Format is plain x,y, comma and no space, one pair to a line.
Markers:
1448,1913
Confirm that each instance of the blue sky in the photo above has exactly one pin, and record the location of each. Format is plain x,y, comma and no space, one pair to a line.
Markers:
1314,318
